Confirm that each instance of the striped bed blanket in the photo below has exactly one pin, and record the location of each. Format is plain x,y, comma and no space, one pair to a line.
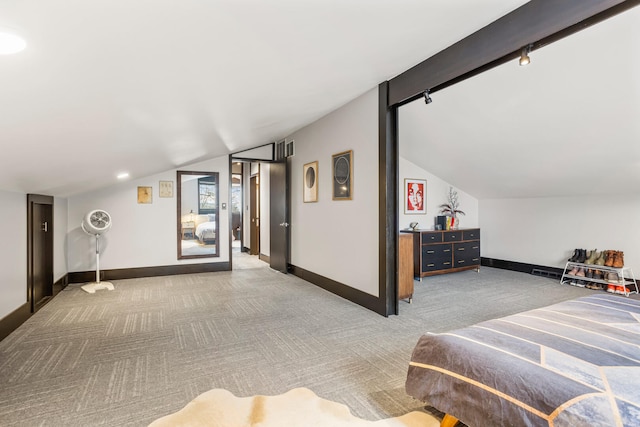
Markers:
575,363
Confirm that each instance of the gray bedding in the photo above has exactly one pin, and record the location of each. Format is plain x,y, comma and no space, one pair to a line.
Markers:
576,363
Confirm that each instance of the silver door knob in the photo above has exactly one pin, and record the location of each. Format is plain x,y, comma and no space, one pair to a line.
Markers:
284,224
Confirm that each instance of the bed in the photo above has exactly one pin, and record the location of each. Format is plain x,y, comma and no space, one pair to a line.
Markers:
206,229
575,363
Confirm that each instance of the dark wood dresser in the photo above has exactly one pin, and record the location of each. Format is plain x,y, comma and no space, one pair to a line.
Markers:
440,252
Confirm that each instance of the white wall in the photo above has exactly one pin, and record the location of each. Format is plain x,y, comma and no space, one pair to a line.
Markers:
437,194
13,251
265,212
60,225
545,231
143,235
339,239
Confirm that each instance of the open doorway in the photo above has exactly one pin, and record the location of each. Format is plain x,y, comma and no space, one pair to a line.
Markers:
250,242
264,195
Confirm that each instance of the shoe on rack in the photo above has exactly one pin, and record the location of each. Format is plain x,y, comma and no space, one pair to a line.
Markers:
622,290
582,257
580,272
591,258
574,257
618,259
612,277
608,259
611,288
600,258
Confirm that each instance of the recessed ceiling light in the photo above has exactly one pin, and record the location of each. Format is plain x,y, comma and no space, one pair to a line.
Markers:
123,175
11,43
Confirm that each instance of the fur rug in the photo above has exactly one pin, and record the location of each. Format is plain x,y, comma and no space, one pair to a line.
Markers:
297,407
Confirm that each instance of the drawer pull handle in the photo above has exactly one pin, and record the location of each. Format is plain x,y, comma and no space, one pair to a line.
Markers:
447,250
430,252
461,249
476,259
430,265
446,263
461,262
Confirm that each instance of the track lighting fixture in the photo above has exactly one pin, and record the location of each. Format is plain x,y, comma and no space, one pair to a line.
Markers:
427,98
524,56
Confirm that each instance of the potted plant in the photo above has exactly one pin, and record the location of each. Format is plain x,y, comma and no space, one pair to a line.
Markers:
451,207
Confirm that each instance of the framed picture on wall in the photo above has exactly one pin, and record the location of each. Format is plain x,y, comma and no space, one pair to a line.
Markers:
145,195
343,175
165,189
310,182
415,195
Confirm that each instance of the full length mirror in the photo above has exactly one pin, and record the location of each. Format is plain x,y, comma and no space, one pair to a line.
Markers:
198,219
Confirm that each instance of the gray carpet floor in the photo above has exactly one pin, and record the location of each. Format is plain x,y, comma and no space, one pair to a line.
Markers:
129,356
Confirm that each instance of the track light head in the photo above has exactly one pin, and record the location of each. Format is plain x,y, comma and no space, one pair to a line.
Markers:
427,98
524,56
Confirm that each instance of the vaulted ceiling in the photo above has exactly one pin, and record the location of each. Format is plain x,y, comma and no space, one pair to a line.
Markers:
567,124
150,85
147,86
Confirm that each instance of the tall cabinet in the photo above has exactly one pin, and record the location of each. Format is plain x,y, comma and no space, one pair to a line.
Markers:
440,252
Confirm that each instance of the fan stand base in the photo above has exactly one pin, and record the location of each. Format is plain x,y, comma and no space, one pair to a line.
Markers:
95,286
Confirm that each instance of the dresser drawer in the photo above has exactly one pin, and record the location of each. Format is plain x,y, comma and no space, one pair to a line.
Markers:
452,236
436,251
437,264
466,253
431,237
471,234
436,257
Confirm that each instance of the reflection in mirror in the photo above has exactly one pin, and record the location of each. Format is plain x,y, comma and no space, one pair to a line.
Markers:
198,219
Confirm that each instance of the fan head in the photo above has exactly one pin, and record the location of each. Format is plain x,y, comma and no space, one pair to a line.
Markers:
96,222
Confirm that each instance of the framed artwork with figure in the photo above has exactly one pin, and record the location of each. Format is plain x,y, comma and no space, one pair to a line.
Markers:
415,194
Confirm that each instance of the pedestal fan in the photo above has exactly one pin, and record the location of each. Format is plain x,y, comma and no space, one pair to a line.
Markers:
96,223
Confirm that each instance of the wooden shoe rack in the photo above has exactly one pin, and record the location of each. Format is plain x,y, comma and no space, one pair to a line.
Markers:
625,276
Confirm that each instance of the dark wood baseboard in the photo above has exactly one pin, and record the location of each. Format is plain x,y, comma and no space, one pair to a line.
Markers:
265,258
521,267
17,317
354,295
60,284
134,273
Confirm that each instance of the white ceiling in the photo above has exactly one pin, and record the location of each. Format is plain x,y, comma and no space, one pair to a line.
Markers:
568,124
145,86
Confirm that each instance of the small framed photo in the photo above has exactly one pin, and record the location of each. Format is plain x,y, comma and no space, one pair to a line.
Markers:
343,175
145,195
415,194
310,182
165,189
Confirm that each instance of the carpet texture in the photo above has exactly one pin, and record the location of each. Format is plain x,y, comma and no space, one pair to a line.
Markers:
128,356
299,407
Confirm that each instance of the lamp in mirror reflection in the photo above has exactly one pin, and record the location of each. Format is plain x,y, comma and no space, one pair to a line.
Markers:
524,56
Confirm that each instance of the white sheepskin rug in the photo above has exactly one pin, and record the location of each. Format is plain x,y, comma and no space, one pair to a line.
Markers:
299,407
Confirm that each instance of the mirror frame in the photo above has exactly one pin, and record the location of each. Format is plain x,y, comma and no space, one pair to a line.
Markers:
179,214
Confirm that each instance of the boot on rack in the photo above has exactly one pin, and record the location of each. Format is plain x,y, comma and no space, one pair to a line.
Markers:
582,257
600,258
591,258
608,259
574,257
618,259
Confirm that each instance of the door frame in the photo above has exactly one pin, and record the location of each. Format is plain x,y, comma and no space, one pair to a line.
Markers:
538,22
247,156
33,199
